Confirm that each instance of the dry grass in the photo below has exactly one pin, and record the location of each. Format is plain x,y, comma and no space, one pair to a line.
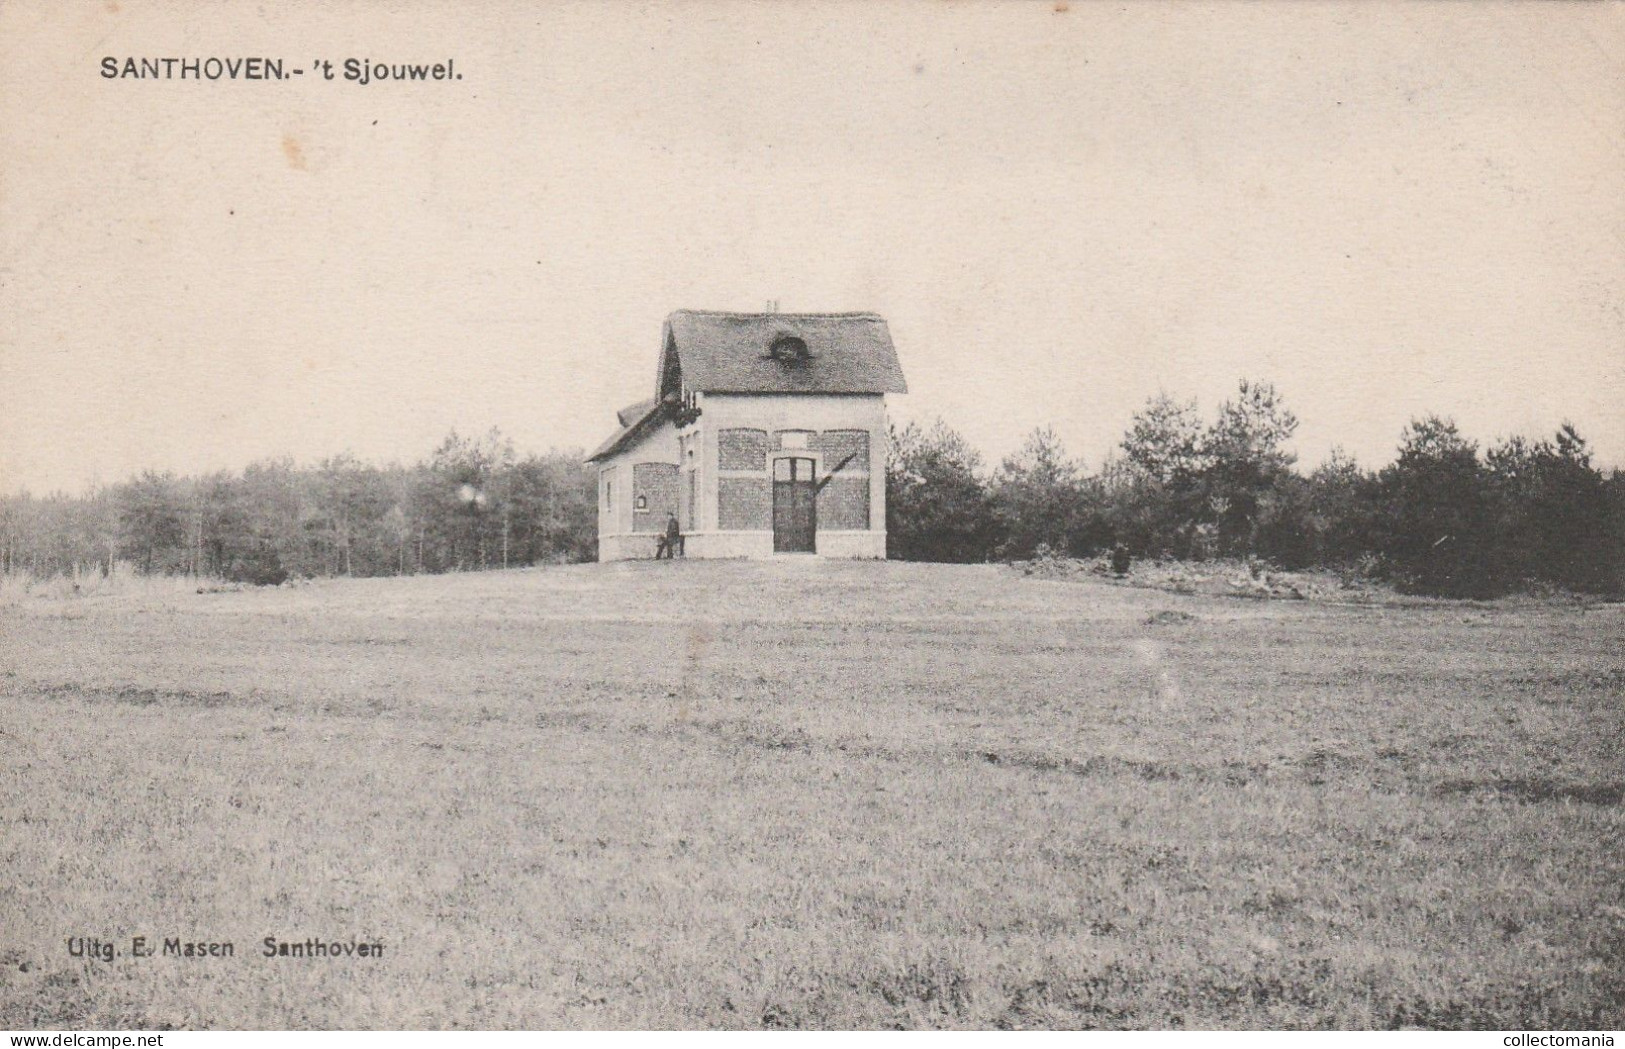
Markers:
812,794
24,587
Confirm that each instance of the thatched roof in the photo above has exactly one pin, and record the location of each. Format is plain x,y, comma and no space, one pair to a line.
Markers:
636,420
703,351
710,352
630,415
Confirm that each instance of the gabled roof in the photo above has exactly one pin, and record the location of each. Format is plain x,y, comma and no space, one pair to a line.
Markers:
705,351
629,415
636,420
711,352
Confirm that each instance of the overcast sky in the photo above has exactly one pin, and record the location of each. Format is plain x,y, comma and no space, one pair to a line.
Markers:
1385,209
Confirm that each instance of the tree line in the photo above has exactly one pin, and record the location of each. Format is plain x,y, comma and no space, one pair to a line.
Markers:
474,503
1445,517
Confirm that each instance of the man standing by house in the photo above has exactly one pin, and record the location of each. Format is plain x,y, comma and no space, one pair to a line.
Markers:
671,541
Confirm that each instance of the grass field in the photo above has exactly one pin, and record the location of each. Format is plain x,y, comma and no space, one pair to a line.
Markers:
810,794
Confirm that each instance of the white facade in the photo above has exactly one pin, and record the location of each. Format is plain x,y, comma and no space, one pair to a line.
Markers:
721,496
766,435
626,530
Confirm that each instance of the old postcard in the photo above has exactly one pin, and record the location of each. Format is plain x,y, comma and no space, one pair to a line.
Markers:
739,515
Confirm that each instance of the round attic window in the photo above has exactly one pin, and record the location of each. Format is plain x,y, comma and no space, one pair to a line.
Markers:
789,349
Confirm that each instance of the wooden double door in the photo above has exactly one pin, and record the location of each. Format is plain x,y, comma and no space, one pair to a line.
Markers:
795,506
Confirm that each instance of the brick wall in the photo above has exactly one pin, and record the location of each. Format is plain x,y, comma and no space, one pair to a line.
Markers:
656,485
835,445
742,449
744,503
844,502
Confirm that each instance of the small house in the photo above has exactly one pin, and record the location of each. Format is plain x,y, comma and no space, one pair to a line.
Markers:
766,435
